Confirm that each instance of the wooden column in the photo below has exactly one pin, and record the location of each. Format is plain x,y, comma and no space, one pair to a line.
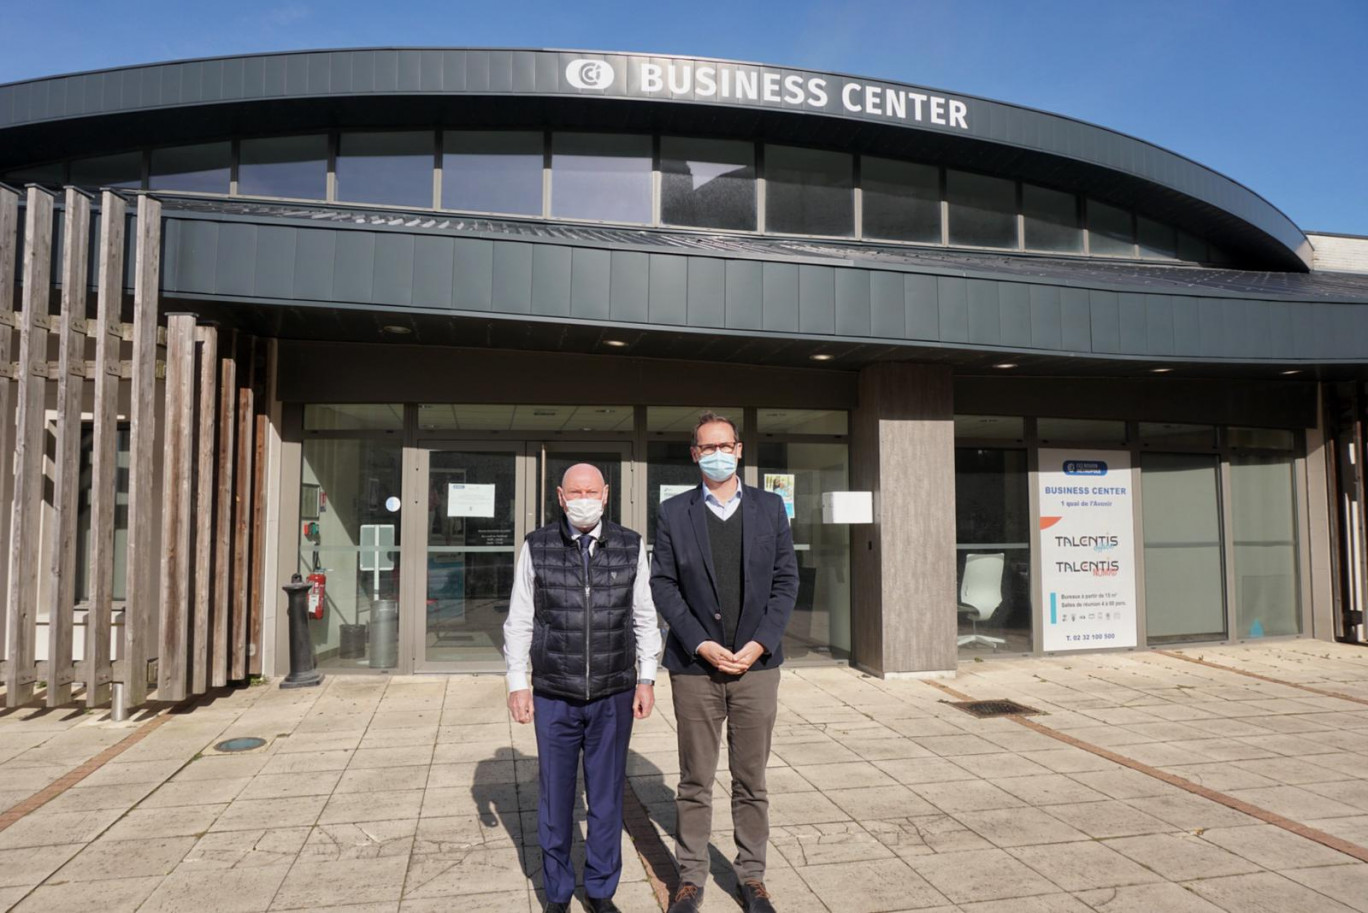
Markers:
95,670
140,616
31,371
206,456
902,448
176,506
259,596
66,491
9,253
243,495
223,514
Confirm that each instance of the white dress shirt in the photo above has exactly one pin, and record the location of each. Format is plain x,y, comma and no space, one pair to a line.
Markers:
518,626
723,511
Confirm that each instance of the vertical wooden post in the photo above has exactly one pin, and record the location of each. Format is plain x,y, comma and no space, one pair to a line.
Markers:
22,597
206,457
140,614
66,490
176,506
9,252
243,496
255,631
95,669
223,513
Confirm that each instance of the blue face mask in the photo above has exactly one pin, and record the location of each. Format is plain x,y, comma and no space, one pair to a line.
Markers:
718,466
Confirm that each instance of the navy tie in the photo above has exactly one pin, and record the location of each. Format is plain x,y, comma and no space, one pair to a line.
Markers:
585,541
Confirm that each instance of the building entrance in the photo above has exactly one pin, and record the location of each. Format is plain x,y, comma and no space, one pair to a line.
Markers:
481,499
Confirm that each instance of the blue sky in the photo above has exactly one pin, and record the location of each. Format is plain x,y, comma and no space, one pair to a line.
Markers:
1268,93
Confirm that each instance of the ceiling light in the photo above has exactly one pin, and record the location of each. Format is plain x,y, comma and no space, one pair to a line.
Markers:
396,330
821,356
1290,371
1005,365
1160,370
615,343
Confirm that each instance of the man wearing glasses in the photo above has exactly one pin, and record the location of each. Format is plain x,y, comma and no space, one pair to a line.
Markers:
724,576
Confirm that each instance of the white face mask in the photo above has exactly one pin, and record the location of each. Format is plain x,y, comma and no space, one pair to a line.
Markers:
584,513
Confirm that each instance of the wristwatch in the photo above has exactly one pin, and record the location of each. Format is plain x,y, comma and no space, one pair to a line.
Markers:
646,681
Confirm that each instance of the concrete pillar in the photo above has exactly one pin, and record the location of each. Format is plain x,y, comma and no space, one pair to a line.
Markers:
903,565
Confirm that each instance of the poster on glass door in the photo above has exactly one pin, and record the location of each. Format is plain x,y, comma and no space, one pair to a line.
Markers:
1087,549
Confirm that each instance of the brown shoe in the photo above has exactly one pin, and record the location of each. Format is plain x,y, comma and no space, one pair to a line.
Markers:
755,898
686,899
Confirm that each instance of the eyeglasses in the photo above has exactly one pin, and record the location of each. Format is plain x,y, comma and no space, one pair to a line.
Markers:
729,447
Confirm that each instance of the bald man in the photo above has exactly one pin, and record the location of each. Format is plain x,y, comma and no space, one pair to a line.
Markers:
582,622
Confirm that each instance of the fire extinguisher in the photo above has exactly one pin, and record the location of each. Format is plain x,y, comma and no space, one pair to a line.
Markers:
318,592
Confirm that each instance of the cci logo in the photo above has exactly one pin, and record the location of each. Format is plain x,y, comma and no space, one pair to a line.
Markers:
1085,468
589,74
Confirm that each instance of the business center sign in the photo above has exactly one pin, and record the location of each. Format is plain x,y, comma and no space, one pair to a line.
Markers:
1087,549
708,81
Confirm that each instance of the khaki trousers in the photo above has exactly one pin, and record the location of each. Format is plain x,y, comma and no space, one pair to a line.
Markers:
748,704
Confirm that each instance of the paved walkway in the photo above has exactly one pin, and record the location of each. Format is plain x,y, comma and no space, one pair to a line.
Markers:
417,794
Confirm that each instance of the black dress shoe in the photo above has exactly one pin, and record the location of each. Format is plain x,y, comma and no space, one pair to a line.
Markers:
602,905
686,899
553,907
754,897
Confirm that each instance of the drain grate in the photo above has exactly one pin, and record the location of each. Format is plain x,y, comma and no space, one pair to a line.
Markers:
243,744
994,708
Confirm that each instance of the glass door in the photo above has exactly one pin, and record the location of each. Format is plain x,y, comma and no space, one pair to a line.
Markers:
473,525
481,500
613,460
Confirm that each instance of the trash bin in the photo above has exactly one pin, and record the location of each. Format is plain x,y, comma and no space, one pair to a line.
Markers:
352,641
384,634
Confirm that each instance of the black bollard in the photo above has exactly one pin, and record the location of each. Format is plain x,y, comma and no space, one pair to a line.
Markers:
303,673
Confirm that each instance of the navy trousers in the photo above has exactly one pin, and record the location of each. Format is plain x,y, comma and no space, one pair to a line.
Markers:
598,730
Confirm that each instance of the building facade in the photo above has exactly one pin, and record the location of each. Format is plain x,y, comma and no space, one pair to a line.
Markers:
1098,395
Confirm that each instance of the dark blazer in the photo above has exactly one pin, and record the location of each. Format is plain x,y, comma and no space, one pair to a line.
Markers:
684,584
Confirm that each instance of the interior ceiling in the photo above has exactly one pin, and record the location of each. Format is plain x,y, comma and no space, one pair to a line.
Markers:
335,324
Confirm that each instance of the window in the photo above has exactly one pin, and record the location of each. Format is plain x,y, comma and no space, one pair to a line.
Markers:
392,168
1081,430
992,535
601,176
354,417
1191,248
990,427
284,166
1109,231
809,192
1264,531
982,210
800,473
122,170
707,183
802,421
1157,240
53,173
1051,220
901,200
1173,434
1184,570
492,172
553,419
350,529
205,168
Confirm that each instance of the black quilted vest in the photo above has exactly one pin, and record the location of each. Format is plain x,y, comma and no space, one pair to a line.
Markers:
583,644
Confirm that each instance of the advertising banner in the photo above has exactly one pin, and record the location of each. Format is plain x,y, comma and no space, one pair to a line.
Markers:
1087,549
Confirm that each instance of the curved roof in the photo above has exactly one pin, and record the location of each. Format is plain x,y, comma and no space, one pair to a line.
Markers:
181,101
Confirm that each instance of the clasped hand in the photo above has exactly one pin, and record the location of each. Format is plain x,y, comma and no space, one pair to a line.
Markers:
727,661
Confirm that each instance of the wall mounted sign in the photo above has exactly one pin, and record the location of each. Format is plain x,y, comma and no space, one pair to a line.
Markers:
1087,549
